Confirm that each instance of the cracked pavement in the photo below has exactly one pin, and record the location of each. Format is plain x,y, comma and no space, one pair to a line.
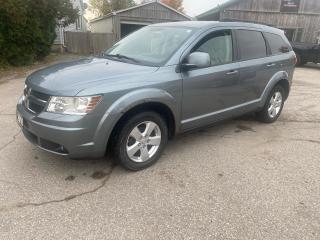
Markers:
237,180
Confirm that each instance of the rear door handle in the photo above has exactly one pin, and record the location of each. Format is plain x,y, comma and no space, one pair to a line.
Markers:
271,65
233,72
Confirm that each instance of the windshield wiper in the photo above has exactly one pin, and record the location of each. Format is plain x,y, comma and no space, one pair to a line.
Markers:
120,56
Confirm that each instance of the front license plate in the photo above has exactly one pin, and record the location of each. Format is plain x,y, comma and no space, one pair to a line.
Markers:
19,119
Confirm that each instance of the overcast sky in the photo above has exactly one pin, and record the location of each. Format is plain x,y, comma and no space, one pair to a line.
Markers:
195,7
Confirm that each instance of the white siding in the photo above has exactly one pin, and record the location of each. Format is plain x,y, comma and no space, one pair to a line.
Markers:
102,26
80,25
59,35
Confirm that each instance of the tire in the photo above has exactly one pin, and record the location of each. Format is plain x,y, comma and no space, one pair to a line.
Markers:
300,61
267,115
134,147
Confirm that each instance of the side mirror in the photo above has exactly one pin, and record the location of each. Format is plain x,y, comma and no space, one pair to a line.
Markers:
197,60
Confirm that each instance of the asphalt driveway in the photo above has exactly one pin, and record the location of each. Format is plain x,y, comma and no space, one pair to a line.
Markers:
238,180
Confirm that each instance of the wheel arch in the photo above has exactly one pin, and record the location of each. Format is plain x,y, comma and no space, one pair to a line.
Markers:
160,108
281,78
284,83
135,102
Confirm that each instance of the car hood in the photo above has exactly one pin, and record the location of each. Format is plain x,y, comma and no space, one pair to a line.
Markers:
69,78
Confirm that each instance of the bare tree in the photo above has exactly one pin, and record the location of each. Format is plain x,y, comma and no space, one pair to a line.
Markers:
103,7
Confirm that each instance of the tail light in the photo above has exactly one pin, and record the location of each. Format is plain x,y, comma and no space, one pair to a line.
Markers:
295,59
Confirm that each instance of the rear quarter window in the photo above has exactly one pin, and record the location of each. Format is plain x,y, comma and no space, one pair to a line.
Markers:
251,44
277,44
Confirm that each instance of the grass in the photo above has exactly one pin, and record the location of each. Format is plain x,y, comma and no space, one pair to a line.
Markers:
8,72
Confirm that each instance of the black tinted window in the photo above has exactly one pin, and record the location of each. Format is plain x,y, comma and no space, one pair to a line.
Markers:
218,45
251,44
276,43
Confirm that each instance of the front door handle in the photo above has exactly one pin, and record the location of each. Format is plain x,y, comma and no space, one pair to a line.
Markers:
233,72
271,65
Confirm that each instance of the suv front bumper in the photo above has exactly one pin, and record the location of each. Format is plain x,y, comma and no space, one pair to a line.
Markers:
67,135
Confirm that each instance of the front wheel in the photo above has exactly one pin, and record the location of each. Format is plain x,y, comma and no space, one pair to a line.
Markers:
141,141
273,107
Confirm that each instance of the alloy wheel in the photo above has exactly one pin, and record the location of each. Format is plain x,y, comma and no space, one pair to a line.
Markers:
143,141
275,104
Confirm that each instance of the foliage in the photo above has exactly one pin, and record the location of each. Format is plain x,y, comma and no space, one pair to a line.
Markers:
99,7
175,4
27,28
103,7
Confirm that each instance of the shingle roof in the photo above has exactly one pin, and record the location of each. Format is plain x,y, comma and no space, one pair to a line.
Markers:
140,5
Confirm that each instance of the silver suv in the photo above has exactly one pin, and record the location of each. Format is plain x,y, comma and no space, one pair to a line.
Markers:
162,80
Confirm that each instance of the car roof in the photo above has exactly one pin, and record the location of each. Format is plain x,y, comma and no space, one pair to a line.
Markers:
211,24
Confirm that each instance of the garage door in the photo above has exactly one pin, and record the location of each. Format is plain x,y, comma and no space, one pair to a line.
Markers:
127,28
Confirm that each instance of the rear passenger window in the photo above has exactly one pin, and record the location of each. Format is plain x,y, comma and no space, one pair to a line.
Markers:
251,44
276,43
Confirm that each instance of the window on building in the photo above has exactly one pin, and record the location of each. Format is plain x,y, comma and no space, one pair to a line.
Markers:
289,32
298,35
78,24
318,38
293,34
276,43
251,44
218,45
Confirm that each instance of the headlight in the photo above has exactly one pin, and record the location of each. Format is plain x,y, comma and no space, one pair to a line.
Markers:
73,105
24,92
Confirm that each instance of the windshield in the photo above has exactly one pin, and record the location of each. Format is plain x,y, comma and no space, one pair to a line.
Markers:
150,45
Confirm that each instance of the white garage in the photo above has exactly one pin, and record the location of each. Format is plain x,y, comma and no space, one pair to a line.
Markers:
124,22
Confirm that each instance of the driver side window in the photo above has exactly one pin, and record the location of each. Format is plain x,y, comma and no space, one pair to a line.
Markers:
218,45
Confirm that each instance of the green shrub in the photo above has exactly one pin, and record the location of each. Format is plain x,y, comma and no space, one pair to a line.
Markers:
27,28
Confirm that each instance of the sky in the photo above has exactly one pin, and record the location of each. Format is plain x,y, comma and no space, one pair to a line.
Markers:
196,7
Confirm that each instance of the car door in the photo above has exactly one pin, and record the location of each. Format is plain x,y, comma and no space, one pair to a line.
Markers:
256,69
207,92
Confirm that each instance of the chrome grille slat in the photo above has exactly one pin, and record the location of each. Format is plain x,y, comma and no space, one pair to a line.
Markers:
40,95
38,100
35,101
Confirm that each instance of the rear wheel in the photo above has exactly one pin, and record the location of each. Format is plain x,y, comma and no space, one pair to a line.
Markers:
141,141
273,107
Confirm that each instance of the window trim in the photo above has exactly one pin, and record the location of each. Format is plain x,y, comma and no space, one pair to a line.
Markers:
269,51
238,44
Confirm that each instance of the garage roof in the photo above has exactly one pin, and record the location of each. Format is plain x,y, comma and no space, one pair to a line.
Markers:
138,6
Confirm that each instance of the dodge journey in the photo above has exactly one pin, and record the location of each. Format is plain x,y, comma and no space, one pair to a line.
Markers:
161,80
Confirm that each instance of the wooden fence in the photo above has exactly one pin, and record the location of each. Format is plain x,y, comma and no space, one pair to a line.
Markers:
86,43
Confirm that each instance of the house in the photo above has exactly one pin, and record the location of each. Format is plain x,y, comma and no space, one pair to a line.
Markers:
79,25
124,22
300,19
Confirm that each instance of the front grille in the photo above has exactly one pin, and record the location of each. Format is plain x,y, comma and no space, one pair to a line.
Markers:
35,101
40,95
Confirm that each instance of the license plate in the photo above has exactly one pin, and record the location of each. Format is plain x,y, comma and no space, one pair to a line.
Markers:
19,119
